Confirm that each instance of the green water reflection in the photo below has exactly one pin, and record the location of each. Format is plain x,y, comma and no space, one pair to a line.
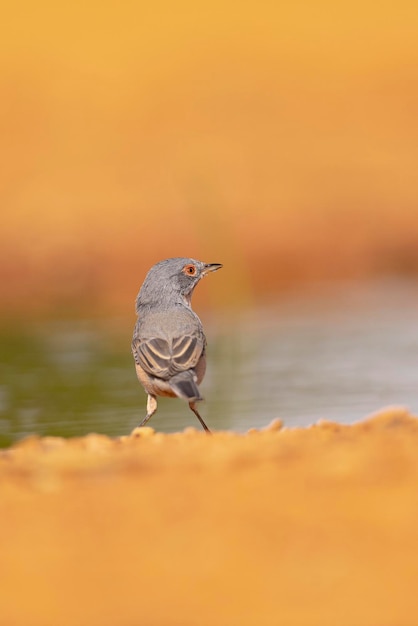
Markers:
338,356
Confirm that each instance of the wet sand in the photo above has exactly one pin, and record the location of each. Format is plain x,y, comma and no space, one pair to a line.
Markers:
310,526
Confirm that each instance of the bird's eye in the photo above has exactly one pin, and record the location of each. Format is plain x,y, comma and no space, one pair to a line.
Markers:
190,270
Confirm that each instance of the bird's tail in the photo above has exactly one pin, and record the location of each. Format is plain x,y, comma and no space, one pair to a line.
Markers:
184,386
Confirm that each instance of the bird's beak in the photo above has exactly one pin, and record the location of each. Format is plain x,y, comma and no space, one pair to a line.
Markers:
211,267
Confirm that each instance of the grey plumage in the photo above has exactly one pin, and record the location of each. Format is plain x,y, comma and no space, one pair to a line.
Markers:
169,345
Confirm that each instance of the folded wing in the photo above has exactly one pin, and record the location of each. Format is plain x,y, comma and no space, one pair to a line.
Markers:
163,359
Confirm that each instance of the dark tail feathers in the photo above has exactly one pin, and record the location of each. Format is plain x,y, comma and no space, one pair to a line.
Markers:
184,386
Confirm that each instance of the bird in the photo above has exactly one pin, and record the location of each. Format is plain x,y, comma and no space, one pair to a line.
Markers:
168,344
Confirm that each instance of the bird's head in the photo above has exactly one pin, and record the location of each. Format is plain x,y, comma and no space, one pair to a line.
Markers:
173,280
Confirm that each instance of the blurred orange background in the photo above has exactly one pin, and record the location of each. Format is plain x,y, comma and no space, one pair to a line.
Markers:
280,139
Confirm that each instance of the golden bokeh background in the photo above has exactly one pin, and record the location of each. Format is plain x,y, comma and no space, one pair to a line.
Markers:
278,138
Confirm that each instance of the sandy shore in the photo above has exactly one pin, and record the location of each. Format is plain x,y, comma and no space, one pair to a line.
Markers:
312,526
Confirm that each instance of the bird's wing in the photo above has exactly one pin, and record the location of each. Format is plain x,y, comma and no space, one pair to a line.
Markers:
162,358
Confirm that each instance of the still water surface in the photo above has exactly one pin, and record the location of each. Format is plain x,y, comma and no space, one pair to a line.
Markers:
338,354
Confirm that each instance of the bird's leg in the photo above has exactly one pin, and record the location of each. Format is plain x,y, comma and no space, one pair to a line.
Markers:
151,408
192,405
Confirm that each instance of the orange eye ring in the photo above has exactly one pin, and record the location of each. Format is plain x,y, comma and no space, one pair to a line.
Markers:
190,270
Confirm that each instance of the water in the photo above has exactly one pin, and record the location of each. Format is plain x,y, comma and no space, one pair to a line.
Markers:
338,354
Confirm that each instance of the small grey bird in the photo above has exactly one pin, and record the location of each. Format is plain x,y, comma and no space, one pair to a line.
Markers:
168,343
